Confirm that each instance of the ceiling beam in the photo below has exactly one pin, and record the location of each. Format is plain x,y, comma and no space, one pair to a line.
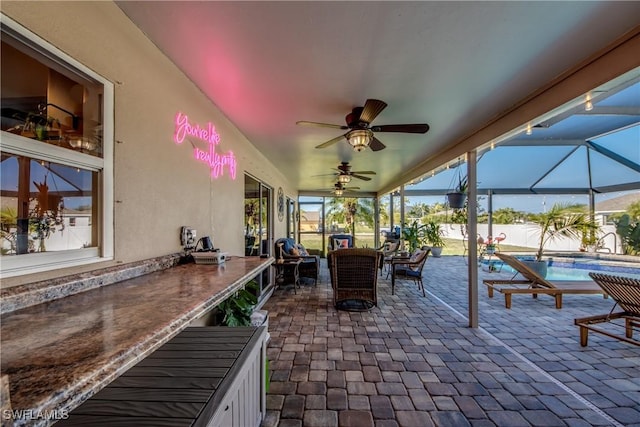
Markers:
610,111
613,156
542,142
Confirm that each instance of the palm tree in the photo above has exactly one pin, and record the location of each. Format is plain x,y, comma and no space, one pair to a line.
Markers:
506,216
418,210
345,210
563,220
634,211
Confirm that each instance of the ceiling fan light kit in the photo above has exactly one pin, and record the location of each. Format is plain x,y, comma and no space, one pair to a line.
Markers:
359,139
344,179
339,189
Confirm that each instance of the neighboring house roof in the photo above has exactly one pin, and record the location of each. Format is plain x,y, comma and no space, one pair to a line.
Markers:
617,204
310,216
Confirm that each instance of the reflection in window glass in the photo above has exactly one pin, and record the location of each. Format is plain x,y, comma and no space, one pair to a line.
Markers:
40,200
45,101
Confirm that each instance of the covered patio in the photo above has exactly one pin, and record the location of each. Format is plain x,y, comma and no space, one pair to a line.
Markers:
413,360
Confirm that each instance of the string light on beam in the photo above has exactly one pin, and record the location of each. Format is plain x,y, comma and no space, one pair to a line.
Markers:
588,105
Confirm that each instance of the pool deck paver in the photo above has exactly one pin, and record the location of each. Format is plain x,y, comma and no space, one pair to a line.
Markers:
413,360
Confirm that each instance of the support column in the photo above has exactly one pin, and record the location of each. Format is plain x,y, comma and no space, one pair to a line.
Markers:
490,213
472,227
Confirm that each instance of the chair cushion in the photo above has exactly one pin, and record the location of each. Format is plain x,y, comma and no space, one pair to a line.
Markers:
288,245
416,255
407,271
340,243
301,250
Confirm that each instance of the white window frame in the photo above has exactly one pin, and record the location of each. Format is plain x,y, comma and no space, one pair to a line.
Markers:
16,144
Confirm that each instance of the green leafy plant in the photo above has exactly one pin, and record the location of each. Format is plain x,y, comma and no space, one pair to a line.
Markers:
433,234
414,235
461,216
569,221
237,309
629,232
463,184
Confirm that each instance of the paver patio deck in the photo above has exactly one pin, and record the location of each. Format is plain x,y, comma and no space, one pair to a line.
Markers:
413,360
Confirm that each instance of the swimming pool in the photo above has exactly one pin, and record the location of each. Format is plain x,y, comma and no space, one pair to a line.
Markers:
579,269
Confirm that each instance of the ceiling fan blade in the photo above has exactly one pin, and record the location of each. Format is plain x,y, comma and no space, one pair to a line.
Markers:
372,108
351,188
321,125
365,172
331,142
409,128
376,145
364,178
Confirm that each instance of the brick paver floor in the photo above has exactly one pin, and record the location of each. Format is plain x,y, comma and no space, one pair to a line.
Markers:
413,360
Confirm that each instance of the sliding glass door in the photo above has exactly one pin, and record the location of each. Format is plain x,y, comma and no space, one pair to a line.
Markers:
258,226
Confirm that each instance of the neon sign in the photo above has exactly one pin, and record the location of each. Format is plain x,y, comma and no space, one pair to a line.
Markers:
208,134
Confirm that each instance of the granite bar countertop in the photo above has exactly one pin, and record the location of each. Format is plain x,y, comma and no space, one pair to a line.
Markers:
59,353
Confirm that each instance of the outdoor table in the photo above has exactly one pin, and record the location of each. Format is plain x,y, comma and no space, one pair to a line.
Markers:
288,271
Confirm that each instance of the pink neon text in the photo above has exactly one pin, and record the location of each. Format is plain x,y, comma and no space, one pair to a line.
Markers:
215,161
184,128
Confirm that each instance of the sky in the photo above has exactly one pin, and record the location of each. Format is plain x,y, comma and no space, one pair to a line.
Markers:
613,160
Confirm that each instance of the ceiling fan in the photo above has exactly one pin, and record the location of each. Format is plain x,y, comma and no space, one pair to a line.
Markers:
361,133
339,188
345,173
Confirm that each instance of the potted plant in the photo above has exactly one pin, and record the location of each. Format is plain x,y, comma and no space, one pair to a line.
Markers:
458,196
490,247
414,235
589,241
237,309
569,221
433,234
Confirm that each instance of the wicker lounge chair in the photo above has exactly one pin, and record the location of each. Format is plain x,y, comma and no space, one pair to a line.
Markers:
626,293
535,284
354,278
310,266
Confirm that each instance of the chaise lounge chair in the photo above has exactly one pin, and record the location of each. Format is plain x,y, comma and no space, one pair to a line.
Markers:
626,293
535,284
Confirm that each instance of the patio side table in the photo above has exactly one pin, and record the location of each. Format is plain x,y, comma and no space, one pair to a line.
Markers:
288,272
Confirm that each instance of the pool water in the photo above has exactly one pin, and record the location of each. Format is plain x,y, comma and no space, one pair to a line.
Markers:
558,273
571,273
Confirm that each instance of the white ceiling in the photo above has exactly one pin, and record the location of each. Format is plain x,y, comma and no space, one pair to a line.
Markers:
453,65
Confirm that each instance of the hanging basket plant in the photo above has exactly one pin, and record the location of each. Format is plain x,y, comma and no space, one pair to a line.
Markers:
456,200
458,196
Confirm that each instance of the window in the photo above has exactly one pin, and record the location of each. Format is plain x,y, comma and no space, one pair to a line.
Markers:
56,163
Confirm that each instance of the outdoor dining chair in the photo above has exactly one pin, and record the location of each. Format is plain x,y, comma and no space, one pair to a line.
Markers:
409,268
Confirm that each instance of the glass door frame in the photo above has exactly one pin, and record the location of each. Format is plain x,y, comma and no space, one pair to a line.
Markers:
259,221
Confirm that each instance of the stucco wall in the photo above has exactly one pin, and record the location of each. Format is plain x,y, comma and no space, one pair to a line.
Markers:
159,186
